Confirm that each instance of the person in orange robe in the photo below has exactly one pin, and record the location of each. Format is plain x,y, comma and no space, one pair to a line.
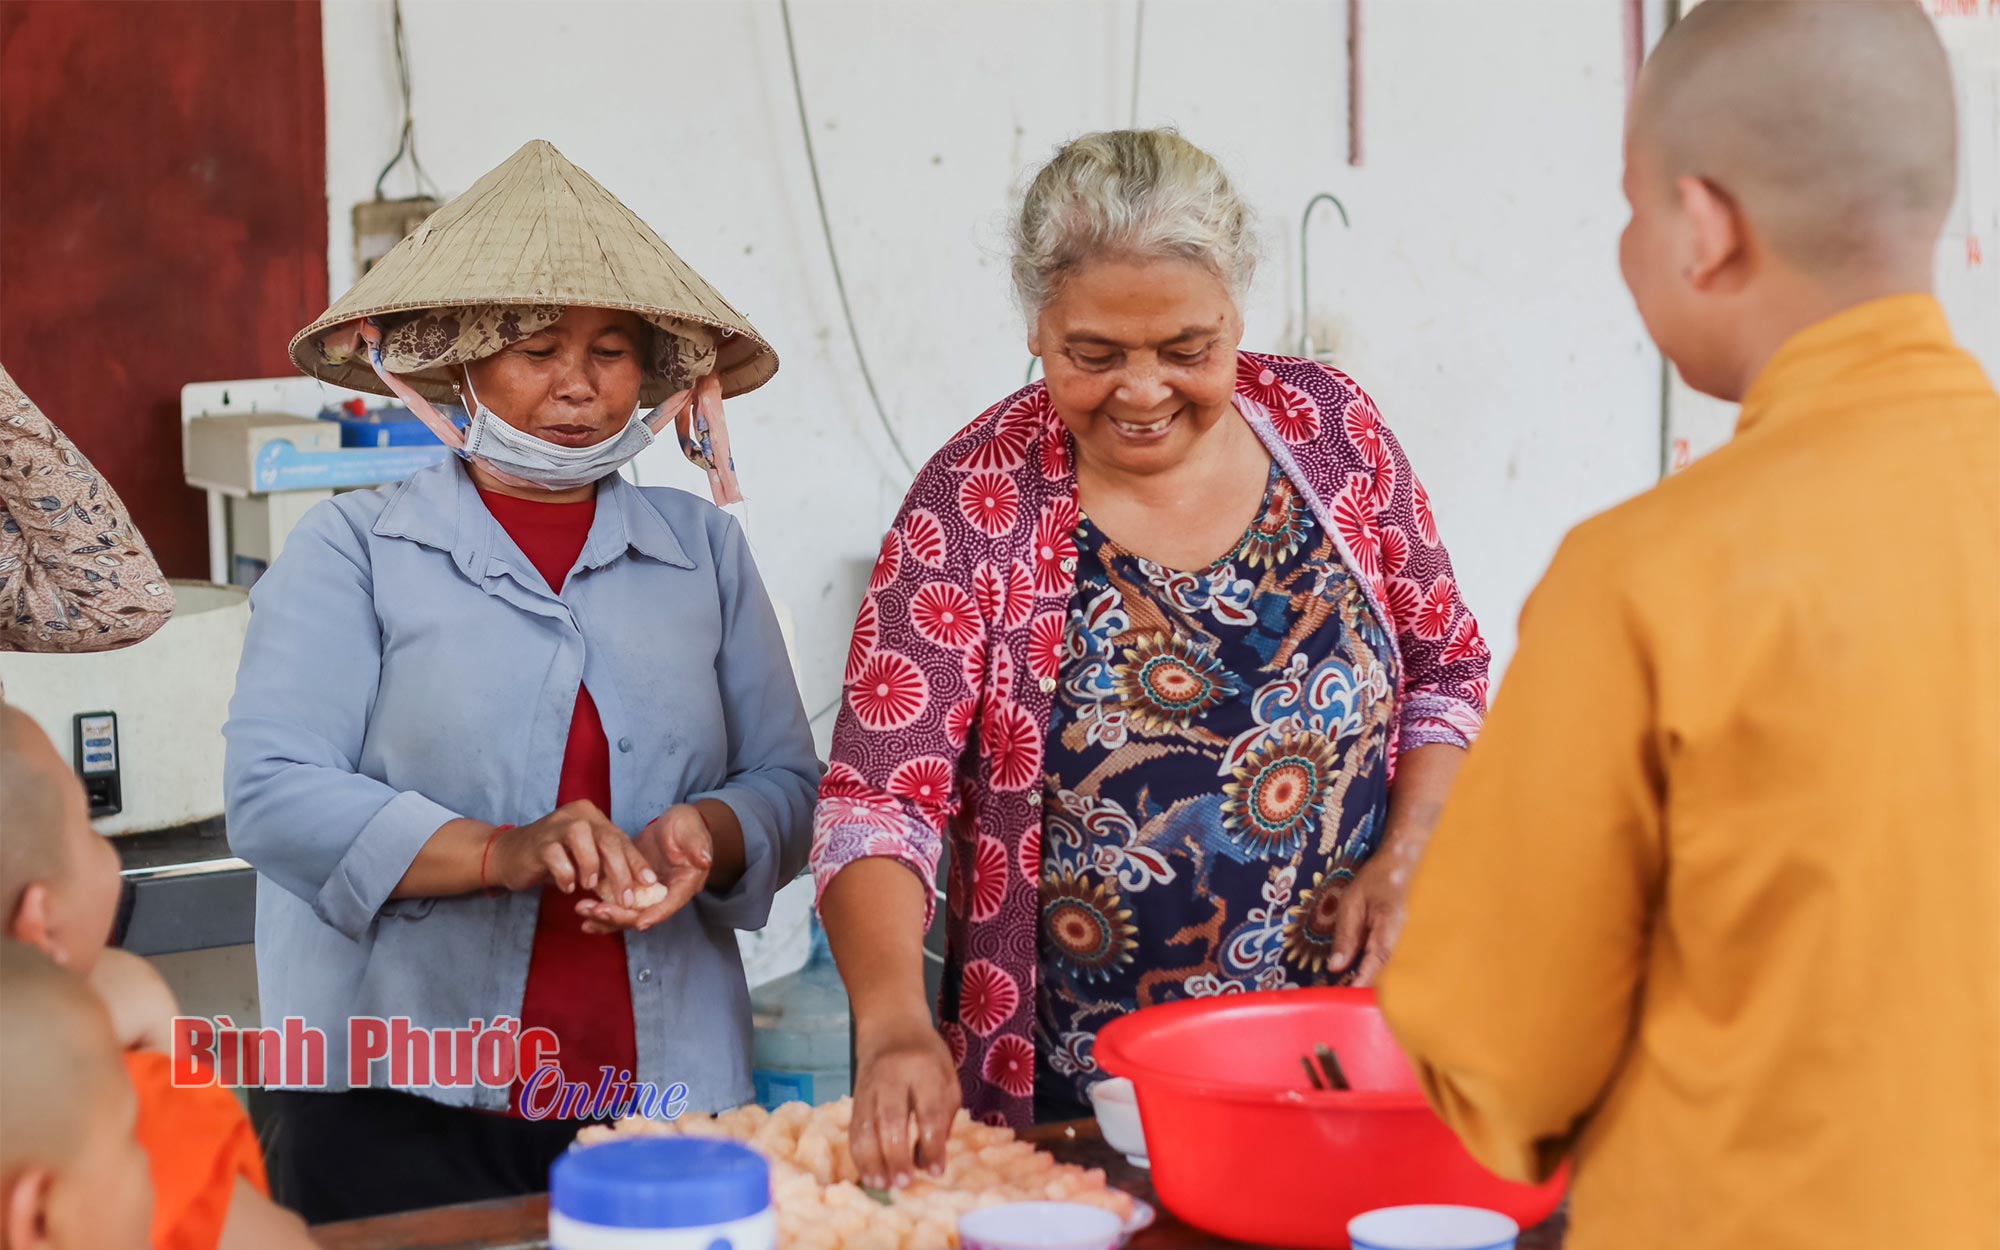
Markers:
1715,906
59,885
71,1175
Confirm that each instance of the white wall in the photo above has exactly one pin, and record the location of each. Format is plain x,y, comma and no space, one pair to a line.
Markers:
1476,296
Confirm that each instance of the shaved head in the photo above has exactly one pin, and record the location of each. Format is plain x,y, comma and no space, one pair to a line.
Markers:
33,795
1829,122
73,1173
57,1059
59,880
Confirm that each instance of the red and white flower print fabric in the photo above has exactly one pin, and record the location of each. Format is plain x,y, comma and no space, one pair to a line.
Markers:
946,713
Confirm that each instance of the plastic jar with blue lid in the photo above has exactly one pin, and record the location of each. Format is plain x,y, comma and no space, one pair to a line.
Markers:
662,1193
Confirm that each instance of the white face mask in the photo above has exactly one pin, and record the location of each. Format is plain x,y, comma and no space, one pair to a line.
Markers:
524,460
550,466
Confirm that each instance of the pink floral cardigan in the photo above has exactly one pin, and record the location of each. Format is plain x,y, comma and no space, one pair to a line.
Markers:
951,676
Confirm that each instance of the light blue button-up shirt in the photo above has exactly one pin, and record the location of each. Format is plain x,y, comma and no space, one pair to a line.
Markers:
406,665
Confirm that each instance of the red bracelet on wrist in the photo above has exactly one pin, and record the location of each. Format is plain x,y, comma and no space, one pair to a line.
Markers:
486,854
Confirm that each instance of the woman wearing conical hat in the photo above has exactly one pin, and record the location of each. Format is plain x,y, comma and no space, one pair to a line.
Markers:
516,738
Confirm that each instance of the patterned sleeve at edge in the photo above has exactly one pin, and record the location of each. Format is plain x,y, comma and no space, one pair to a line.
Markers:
1445,659
910,697
74,573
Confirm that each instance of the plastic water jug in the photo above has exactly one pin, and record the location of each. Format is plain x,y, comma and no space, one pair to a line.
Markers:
799,1050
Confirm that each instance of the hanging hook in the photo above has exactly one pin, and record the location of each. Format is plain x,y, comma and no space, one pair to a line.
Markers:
1305,265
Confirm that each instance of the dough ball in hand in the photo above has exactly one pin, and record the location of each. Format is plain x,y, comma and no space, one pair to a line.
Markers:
644,896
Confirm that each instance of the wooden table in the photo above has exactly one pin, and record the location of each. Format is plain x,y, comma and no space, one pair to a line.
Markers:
522,1223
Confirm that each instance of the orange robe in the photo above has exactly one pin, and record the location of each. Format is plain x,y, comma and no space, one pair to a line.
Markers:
200,1143
1715,905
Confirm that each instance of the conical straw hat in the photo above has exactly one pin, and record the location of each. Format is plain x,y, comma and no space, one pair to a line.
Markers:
538,230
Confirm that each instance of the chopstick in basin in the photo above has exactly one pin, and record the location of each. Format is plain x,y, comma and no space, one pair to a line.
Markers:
1323,1069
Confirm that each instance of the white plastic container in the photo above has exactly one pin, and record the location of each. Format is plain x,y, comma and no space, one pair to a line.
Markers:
662,1193
1117,1108
1432,1228
171,695
1041,1226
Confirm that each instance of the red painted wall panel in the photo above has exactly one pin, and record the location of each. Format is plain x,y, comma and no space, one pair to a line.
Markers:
162,221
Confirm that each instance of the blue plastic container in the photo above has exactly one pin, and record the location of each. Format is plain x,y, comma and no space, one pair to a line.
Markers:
662,1193
378,427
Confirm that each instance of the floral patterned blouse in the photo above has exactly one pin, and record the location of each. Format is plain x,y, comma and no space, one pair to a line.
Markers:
74,573
952,674
1217,768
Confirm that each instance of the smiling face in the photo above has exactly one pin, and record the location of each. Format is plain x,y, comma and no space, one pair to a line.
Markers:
1140,358
573,384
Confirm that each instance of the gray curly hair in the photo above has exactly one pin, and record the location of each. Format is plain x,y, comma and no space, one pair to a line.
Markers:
1137,194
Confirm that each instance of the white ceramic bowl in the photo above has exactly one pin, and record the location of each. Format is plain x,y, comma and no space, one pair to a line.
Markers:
1432,1228
1117,1108
1041,1226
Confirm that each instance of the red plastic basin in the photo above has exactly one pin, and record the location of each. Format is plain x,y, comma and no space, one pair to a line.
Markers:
1243,1147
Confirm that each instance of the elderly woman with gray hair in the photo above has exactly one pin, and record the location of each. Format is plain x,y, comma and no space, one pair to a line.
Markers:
1167,646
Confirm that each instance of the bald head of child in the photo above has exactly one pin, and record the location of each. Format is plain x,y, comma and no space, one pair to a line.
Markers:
72,1174
59,880
1784,159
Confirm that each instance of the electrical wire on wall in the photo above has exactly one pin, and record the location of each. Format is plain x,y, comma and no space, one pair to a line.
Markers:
832,706
832,253
381,223
839,282
407,142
